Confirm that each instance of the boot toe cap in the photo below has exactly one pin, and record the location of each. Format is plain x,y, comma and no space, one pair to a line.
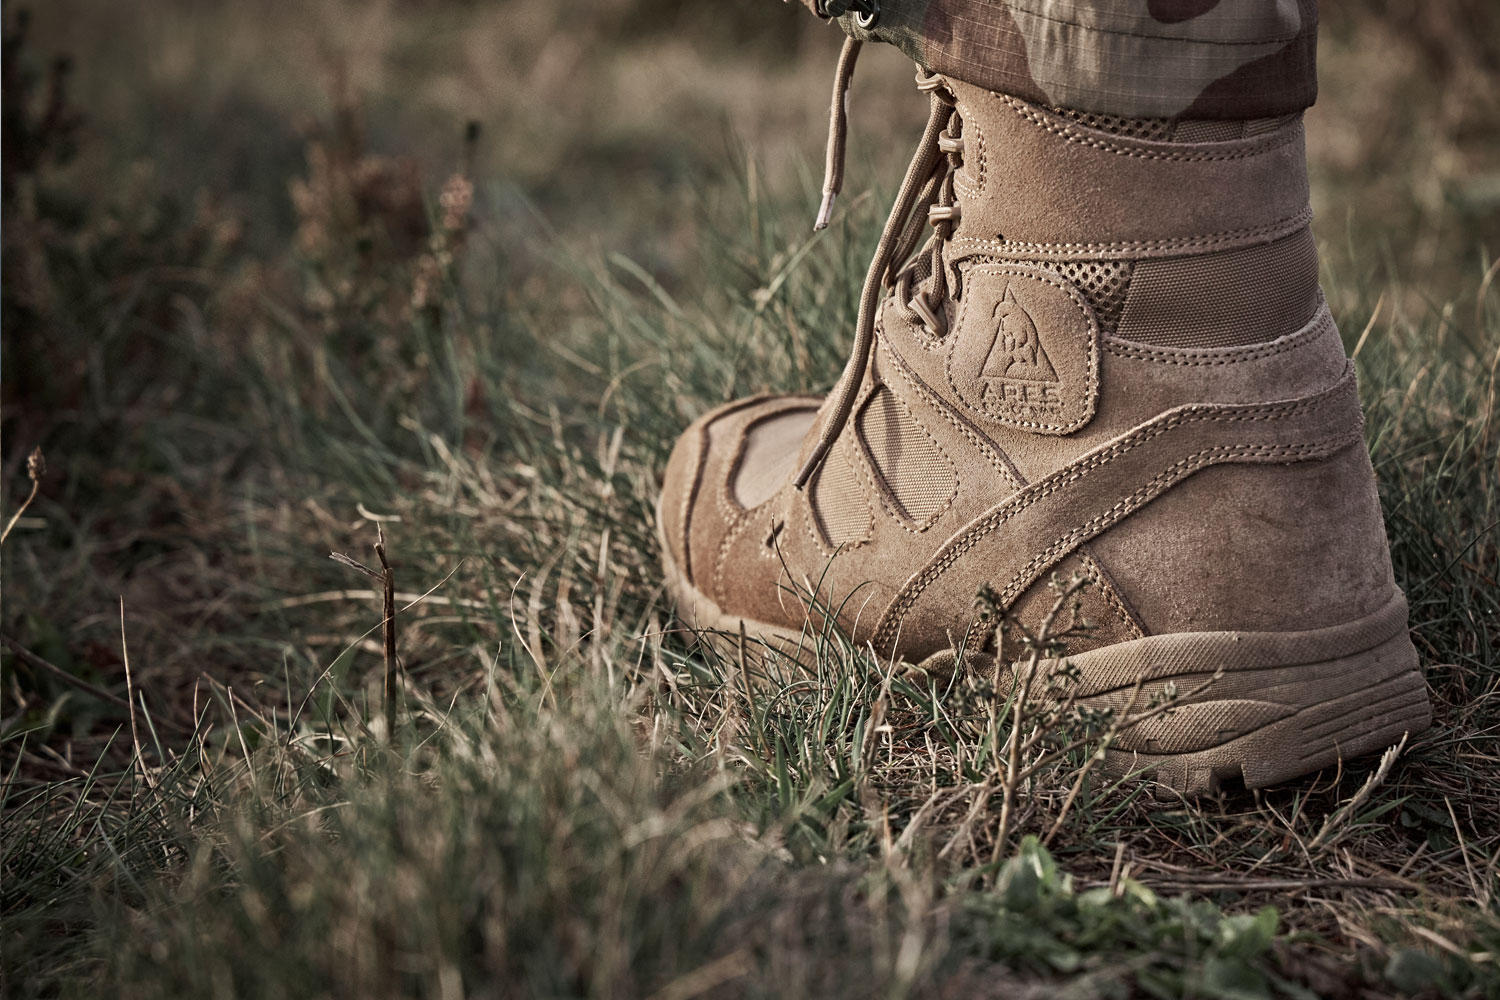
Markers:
730,460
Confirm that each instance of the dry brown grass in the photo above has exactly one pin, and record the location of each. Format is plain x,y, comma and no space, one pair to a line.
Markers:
279,299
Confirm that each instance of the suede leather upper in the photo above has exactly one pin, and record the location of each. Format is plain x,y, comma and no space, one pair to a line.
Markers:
1200,488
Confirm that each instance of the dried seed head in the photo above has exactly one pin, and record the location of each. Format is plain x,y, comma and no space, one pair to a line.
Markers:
456,199
36,465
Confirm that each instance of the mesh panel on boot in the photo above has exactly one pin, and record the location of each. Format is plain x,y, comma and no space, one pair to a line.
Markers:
839,503
1228,299
1260,126
1175,129
770,455
918,475
1154,129
1208,131
1103,283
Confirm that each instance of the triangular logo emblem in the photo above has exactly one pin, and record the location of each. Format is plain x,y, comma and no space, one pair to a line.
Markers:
1016,354
1024,349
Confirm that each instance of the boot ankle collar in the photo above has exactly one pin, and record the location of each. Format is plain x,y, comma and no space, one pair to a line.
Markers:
1036,183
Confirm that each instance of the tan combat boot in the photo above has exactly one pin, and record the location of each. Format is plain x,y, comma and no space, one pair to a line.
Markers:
1112,359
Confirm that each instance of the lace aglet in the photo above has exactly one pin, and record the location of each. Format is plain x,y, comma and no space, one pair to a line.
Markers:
819,452
825,210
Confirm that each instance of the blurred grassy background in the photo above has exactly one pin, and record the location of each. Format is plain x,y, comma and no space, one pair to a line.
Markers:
607,117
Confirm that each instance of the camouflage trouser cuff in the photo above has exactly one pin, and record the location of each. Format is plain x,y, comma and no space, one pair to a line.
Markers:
1135,58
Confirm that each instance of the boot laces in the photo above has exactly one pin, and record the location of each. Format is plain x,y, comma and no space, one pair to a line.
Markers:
926,197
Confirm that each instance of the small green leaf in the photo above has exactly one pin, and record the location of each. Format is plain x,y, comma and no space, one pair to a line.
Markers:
1411,970
1227,978
1248,935
1029,877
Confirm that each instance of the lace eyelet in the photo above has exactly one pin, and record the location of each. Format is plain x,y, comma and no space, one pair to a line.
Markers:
935,325
938,214
866,12
928,82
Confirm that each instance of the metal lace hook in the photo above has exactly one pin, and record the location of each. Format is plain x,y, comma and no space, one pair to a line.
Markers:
866,12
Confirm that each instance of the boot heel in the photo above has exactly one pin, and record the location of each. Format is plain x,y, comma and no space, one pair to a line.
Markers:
1283,704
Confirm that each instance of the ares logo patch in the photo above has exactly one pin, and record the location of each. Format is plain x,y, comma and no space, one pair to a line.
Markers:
1024,350
1017,354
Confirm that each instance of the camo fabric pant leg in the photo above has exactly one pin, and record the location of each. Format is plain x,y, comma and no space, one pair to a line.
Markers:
1134,58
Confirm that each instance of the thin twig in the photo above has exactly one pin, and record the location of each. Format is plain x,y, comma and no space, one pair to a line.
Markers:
1088,765
353,563
407,597
1209,883
412,600
388,623
1014,774
387,578
1166,706
36,468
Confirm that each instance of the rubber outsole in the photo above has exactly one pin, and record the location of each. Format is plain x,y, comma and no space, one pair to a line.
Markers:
1260,708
